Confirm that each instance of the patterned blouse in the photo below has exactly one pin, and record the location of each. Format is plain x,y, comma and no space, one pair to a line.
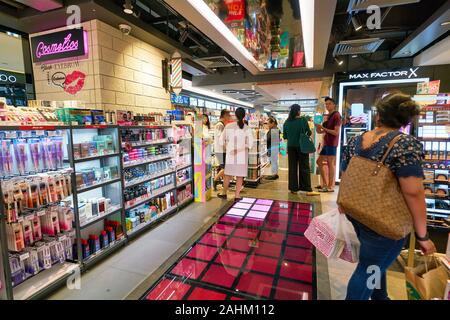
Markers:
405,159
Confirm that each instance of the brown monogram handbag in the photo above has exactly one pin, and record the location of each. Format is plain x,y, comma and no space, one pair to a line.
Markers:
370,193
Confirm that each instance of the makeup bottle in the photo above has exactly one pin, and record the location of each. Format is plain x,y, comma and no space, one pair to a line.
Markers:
94,243
111,234
85,249
104,242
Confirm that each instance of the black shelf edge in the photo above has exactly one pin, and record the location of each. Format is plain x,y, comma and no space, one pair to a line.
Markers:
150,179
151,144
189,181
83,226
97,157
125,166
98,185
34,128
104,252
149,199
156,126
184,167
138,230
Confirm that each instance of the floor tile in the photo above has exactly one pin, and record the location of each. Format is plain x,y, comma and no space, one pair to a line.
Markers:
288,290
205,294
231,258
168,290
238,244
256,284
220,275
202,252
262,264
297,228
248,233
213,239
299,255
269,236
189,268
296,271
268,249
298,241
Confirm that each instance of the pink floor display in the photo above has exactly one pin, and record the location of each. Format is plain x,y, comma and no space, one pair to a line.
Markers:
255,251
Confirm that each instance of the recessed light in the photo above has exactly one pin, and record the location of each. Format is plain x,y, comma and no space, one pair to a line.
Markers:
128,7
445,23
354,56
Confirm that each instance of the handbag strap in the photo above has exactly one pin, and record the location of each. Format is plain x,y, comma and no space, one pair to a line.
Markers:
386,154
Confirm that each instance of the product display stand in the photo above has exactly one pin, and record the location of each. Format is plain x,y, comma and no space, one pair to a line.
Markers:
36,230
258,158
119,175
203,165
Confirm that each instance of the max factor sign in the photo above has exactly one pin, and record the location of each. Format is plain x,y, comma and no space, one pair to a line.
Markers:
410,73
59,45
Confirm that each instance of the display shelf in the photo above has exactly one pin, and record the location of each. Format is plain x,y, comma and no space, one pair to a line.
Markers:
133,164
185,202
38,285
438,211
96,157
161,191
184,167
155,126
97,185
148,144
146,225
93,126
136,182
90,222
182,184
104,252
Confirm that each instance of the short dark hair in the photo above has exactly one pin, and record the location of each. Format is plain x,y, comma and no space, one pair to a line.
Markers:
397,110
330,99
224,112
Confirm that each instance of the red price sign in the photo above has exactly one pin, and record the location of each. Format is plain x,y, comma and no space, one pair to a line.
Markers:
37,128
236,10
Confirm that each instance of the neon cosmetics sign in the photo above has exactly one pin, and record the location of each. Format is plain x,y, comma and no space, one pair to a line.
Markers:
59,45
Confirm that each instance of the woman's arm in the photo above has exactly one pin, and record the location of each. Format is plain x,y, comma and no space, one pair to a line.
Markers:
414,193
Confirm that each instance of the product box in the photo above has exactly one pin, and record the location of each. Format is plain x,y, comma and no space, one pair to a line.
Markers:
98,117
447,291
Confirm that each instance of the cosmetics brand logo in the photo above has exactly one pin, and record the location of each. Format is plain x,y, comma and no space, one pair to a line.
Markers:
54,48
71,83
7,78
59,45
400,74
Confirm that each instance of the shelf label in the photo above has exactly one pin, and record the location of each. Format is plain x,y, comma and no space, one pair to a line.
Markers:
30,217
41,213
11,134
37,128
96,126
24,256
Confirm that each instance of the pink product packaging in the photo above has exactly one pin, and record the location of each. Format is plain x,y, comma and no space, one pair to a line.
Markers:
65,216
14,233
50,222
44,255
28,232
37,232
448,248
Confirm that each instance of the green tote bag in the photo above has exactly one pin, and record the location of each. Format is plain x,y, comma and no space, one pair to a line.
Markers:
306,142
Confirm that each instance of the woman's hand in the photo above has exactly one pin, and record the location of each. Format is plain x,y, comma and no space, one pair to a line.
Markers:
428,247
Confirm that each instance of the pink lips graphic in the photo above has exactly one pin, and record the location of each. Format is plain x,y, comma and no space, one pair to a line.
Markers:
74,82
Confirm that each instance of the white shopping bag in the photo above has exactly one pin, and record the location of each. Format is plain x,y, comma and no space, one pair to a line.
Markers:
334,236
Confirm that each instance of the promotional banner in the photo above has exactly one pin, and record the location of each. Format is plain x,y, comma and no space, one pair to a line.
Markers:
236,10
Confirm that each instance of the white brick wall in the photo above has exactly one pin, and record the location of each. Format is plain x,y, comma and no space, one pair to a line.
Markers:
123,73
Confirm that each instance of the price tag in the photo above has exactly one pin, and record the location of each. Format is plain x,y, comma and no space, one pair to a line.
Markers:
10,134
41,213
30,217
24,256
62,238
40,133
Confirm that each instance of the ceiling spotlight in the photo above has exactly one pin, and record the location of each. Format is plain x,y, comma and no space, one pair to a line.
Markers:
339,62
128,7
445,23
356,24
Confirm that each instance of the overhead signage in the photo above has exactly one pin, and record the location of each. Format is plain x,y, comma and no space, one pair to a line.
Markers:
407,73
59,45
8,77
180,100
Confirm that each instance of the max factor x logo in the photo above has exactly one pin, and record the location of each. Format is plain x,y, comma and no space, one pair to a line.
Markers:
411,73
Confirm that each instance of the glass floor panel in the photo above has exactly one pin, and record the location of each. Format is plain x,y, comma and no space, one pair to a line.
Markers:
255,251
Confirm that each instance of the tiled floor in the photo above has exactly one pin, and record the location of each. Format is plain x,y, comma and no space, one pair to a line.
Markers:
250,253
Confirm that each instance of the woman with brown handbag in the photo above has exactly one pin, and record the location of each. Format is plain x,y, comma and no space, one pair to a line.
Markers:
395,159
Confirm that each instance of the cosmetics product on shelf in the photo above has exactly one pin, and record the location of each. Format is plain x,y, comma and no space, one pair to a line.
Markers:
117,228
15,236
66,218
31,263
28,232
111,234
44,255
90,177
37,230
94,243
100,145
104,240
85,249
142,155
17,270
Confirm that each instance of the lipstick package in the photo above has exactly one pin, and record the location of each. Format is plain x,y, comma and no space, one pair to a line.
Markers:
37,232
31,263
34,146
28,232
65,216
15,237
44,256
44,198
33,201
50,222
17,270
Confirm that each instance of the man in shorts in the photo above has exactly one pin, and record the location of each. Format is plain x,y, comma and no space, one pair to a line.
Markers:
332,130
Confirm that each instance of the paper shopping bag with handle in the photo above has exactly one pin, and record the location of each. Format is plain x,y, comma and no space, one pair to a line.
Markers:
427,280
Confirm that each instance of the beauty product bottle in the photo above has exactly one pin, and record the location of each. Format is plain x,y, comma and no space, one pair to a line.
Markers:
85,249
111,234
94,243
104,241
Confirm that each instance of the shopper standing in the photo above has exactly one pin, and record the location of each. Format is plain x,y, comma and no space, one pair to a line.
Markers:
332,129
219,149
237,139
299,167
405,161
273,146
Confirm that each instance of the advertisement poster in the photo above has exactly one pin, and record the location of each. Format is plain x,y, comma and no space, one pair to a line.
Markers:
236,10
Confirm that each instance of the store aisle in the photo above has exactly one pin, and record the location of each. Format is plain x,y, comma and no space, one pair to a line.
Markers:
118,275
